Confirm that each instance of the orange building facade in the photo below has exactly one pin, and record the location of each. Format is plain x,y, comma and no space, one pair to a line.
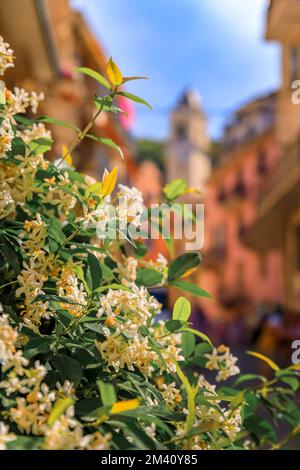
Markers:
49,45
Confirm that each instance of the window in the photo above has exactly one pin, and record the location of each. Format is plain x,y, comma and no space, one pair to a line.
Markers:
294,59
219,237
297,234
262,163
263,264
181,132
240,276
242,229
240,188
222,195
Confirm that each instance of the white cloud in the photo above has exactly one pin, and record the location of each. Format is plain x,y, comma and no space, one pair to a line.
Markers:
245,18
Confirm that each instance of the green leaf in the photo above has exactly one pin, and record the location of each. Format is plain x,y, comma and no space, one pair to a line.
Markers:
106,104
37,346
55,231
182,265
182,309
68,368
106,141
191,289
201,335
80,274
205,427
174,325
10,254
55,298
107,393
148,277
130,79
260,427
87,247
237,400
188,344
202,348
95,75
134,98
18,147
25,443
170,245
175,189
88,407
191,394
251,403
57,122
60,406
140,250
293,382
249,377
95,270
198,359
40,146
113,286
264,358
131,428
96,327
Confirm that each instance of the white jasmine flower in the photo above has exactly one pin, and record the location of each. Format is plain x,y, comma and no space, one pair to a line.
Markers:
37,131
223,361
70,288
6,56
130,207
8,338
170,394
5,436
7,204
6,137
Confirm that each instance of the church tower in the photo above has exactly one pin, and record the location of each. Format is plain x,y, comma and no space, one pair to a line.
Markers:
188,143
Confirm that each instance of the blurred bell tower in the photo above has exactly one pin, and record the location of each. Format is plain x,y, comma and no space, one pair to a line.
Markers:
188,143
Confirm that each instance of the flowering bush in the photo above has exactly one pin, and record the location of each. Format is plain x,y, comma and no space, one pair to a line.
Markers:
85,361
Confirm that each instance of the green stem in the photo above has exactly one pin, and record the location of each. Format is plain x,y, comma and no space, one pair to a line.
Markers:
293,433
80,136
67,240
8,284
75,322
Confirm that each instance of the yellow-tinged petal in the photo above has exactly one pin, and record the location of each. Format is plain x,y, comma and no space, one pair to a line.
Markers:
109,182
265,359
113,72
294,367
67,156
59,408
127,405
193,191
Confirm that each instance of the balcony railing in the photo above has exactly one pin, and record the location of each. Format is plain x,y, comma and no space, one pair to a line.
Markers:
237,195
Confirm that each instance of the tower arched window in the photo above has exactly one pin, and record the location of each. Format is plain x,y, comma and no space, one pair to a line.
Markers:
262,165
181,132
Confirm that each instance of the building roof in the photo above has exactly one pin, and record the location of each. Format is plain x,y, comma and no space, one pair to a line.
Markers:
190,99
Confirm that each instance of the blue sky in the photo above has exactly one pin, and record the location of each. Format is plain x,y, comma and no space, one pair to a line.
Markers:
215,46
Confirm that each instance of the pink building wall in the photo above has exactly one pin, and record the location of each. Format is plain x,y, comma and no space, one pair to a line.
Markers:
238,270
